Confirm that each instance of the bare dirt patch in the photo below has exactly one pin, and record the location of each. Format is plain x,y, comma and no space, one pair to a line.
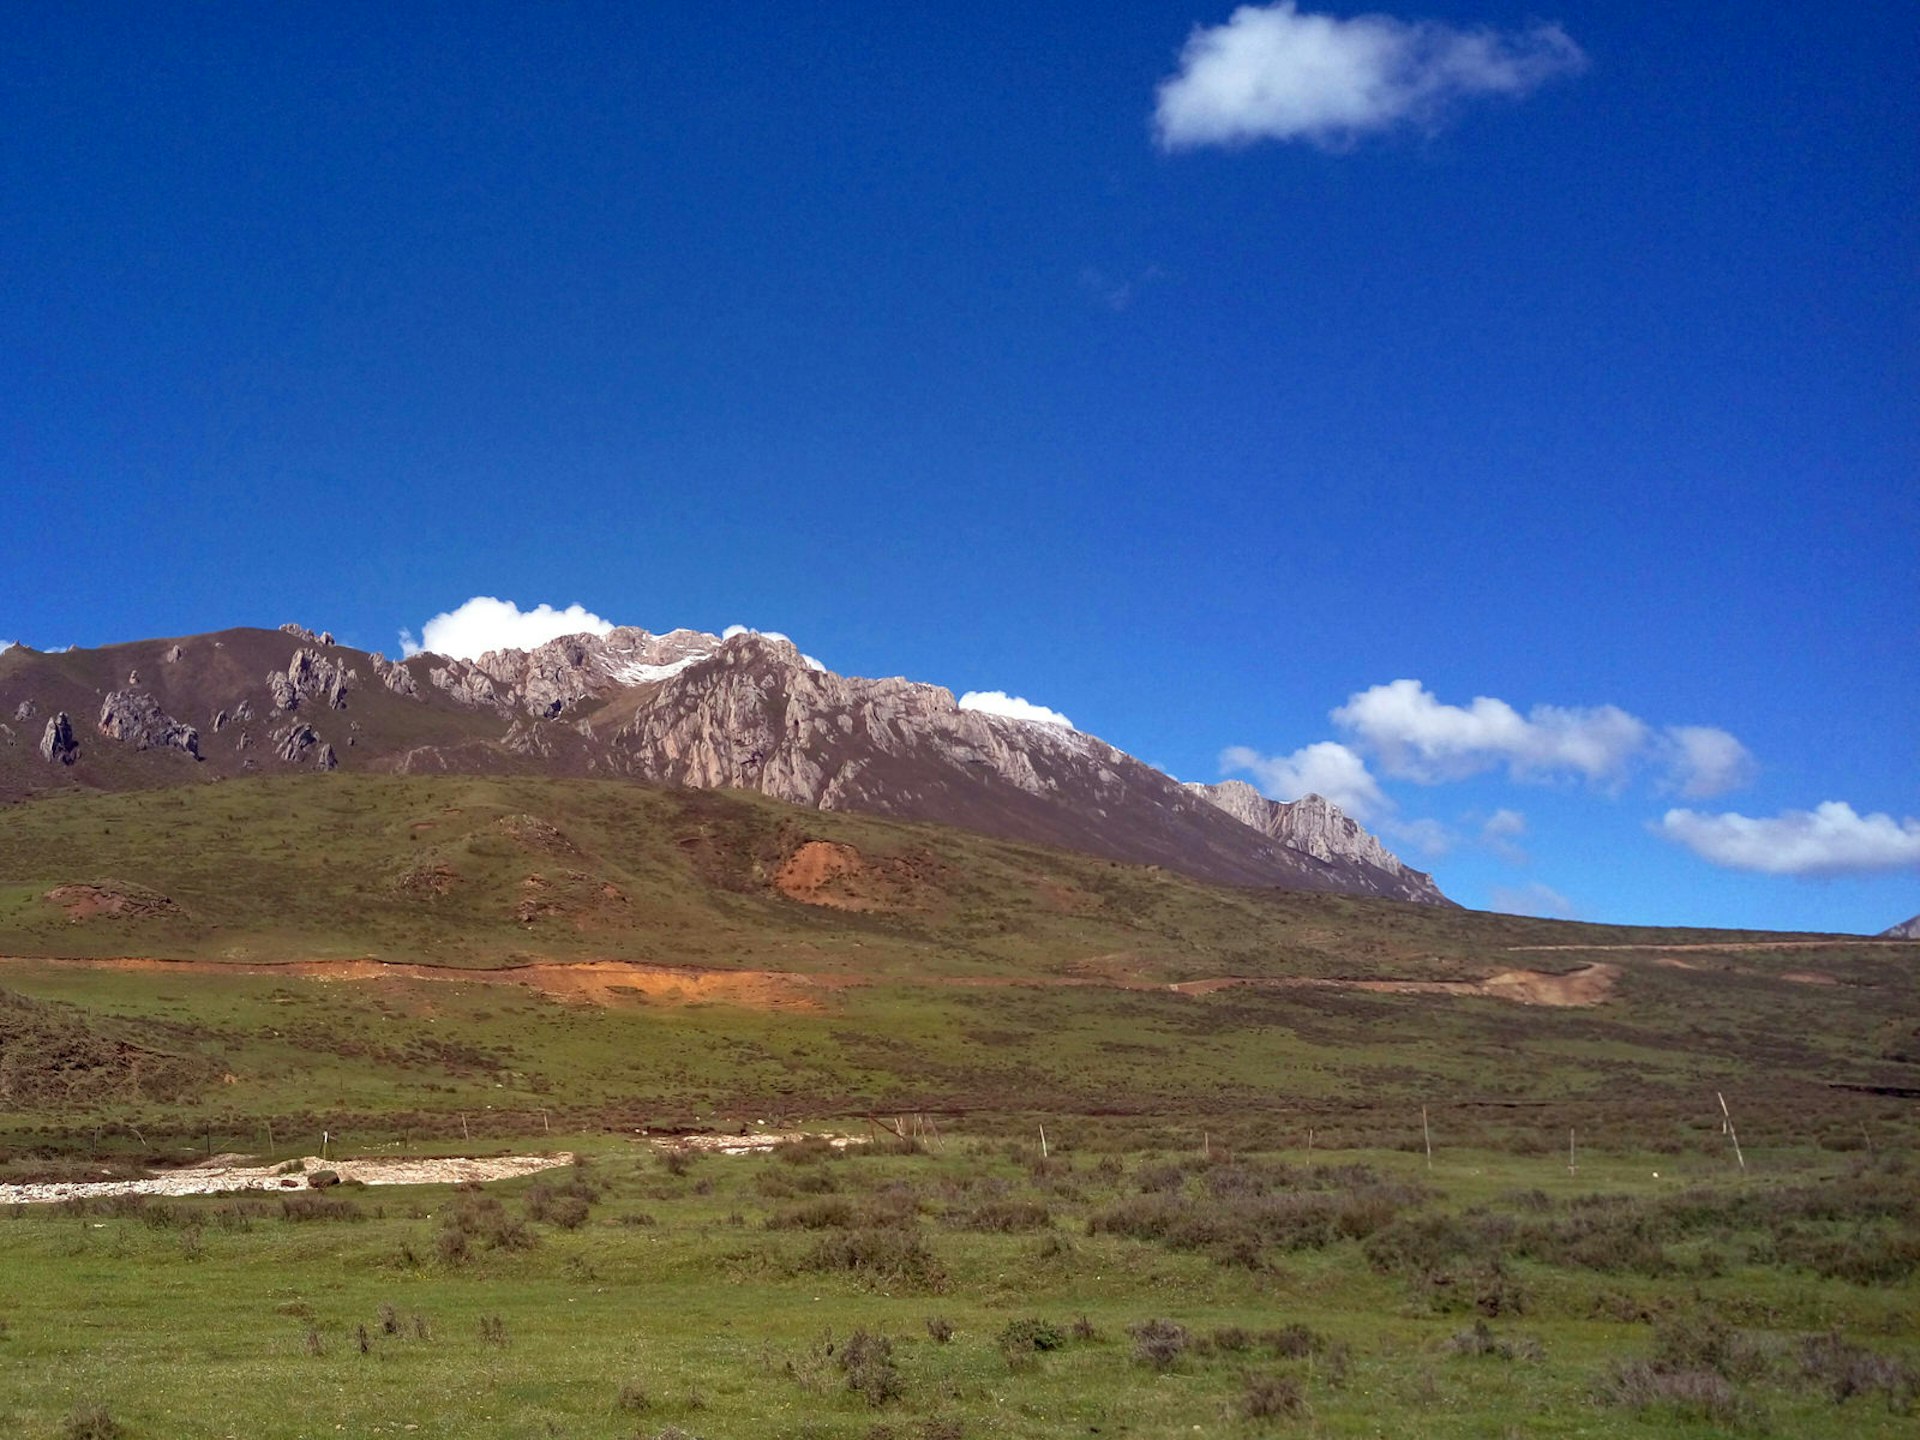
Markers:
594,982
824,872
110,898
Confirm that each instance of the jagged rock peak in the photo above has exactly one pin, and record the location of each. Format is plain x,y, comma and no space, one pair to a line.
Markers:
1314,825
1905,930
552,678
135,718
310,674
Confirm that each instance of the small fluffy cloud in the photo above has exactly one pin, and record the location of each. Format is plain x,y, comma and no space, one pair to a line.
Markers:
6,645
1325,768
1500,832
1273,73
1830,839
998,702
1431,838
1531,899
484,623
1418,738
1703,762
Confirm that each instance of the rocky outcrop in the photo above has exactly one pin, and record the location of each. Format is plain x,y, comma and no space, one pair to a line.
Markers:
553,678
1905,930
172,655
310,675
295,742
467,685
135,718
25,710
397,678
525,739
299,743
58,746
1315,826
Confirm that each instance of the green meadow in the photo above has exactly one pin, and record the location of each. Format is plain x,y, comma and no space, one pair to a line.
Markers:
1235,1226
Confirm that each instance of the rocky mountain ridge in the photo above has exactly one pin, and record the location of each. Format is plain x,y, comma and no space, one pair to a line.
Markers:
684,708
1315,826
1905,930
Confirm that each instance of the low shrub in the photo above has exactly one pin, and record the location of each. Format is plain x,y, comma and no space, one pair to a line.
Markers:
1158,1342
1272,1397
867,1361
890,1254
90,1422
1030,1335
1687,1394
1481,1341
1844,1370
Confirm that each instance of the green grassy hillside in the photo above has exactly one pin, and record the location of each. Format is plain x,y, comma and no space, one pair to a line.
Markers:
972,977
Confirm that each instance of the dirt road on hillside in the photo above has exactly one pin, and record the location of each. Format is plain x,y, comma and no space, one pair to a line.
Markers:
613,982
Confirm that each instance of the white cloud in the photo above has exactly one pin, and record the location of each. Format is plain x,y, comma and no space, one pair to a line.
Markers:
1325,768
1117,293
6,645
484,623
1703,761
1530,899
1273,73
1430,837
1830,839
1418,738
1499,832
998,702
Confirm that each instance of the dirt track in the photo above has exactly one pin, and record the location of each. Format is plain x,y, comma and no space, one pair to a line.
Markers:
220,1175
1589,985
1709,945
611,982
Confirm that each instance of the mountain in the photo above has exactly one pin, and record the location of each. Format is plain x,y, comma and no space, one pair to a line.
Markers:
1905,930
1314,825
685,708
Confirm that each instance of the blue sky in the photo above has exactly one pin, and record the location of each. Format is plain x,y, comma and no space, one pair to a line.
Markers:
1198,372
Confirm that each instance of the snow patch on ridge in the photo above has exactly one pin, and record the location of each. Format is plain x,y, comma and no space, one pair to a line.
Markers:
631,672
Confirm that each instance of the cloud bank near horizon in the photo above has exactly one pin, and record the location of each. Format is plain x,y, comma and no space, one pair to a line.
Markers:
1013,707
1532,898
1830,839
1404,731
1415,736
1271,72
